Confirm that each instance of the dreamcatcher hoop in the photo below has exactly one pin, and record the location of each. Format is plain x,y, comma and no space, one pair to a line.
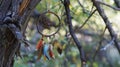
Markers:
37,25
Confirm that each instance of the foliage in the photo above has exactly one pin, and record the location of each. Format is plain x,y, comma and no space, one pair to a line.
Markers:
89,36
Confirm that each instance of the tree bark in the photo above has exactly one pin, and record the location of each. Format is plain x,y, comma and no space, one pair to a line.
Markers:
12,26
117,2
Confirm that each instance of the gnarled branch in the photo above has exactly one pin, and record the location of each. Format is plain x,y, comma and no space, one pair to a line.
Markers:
69,22
107,22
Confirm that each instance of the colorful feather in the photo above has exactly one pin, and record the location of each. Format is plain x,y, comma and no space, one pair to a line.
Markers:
58,46
40,53
40,44
51,53
45,51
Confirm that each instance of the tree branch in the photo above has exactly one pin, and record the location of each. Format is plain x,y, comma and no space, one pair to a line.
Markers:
87,19
81,6
27,13
115,8
117,2
69,22
100,44
107,22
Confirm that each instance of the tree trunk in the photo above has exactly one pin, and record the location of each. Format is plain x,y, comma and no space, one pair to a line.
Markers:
12,24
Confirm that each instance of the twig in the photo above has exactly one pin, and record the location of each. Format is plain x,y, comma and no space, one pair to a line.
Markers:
100,43
115,8
107,22
88,18
85,21
81,6
61,1
91,8
109,44
69,22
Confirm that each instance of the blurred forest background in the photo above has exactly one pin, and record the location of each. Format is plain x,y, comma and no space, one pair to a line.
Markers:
97,44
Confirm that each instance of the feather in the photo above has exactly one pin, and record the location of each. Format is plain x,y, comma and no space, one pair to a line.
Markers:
40,44
45,51
40,53
59,50
51,53
58,46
